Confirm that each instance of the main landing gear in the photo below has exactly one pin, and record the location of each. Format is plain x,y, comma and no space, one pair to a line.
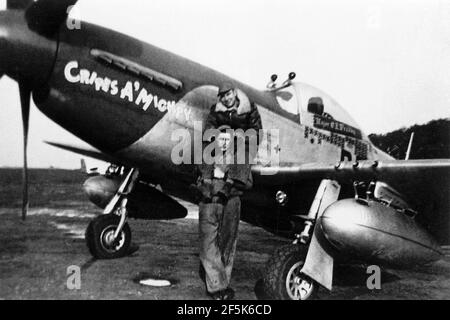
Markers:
287,275
108,236
283,279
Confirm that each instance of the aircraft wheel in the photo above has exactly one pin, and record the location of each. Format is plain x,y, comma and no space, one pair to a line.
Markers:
99,237
282,278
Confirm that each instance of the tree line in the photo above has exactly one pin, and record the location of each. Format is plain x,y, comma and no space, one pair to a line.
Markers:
431,141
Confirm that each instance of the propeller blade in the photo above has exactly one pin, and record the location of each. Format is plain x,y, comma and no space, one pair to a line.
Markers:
25,96
46,16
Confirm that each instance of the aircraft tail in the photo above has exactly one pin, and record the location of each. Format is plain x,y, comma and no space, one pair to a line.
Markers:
408,151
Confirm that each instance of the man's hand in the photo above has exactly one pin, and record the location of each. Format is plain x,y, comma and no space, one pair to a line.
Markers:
220,198
202,191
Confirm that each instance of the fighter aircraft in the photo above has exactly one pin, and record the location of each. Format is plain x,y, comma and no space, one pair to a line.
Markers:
330,189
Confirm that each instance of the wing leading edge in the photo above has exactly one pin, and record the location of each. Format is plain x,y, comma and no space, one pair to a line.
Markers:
91,152
425,184
359,170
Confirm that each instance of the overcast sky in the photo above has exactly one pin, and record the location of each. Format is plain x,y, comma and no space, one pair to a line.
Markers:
386,62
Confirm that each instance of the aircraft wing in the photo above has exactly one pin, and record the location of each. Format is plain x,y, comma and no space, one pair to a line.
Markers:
88,152
424,184
391,170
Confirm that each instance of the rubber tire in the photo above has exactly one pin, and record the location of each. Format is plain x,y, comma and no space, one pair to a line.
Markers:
94,232
277,269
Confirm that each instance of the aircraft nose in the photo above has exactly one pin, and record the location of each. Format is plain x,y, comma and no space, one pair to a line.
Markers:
28,58
24,54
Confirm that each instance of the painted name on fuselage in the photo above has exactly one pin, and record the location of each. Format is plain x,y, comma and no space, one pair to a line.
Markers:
336,126
131,91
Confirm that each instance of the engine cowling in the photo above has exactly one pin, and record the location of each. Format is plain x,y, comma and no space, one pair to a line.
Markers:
377,233
144,201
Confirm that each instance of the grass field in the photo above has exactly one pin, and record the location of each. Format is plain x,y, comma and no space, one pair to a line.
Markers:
46,187
35,254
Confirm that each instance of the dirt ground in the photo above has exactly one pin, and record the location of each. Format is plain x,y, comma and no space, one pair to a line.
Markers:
35,255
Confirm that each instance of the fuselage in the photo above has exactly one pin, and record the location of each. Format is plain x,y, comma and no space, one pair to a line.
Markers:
128,98
100,89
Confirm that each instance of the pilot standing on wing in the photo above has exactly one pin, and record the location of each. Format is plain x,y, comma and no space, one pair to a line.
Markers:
220,186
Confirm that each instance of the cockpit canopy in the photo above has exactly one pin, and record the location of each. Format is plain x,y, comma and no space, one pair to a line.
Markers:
313,107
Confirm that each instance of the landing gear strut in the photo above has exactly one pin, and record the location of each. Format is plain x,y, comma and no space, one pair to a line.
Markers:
294,271
108,236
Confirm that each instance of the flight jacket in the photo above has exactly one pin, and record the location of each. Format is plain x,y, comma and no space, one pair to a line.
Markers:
245,117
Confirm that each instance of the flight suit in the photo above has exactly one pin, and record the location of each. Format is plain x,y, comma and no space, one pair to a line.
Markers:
218,230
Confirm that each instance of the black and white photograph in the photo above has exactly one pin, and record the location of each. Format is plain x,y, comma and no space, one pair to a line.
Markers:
252,151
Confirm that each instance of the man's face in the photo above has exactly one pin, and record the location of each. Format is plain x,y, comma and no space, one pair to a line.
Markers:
224,141
228,99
